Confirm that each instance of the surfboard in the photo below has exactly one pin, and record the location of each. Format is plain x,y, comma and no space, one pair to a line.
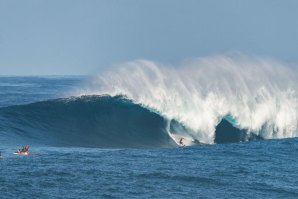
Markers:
187,141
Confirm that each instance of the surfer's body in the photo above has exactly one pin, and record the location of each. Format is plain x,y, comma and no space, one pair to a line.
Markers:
181,141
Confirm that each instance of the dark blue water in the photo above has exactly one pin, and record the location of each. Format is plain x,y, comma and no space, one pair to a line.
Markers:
81,149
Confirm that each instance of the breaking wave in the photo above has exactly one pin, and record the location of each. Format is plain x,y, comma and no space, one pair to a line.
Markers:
260,95
145,104
98,121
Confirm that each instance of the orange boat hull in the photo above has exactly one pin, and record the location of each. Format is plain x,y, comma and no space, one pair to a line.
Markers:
22,153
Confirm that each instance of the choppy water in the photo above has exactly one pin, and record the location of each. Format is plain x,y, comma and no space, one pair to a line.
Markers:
78,164
263,169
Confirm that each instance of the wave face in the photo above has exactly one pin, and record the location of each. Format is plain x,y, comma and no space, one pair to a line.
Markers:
259,94
88,121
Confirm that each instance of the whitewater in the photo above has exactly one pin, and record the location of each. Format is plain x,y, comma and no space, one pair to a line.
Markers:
257,94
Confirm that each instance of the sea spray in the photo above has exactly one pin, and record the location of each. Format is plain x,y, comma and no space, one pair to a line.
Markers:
259,94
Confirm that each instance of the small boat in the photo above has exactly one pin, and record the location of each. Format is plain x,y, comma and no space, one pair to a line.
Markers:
21,152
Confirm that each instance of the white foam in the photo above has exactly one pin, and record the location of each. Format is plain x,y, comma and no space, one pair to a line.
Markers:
260,94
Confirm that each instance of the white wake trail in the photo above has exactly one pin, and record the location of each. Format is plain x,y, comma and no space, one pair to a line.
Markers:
260,94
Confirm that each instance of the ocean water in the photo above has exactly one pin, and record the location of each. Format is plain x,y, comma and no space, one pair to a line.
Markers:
108,144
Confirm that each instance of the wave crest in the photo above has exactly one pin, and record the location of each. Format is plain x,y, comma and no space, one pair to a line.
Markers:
260,94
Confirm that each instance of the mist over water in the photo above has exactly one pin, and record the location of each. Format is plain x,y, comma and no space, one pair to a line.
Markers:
260,95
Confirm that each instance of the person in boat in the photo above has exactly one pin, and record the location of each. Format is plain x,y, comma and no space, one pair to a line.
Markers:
24,149
18,150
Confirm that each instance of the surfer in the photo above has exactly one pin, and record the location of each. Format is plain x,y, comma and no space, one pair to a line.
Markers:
181,141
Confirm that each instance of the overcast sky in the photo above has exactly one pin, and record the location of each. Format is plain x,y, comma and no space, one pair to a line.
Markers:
59,37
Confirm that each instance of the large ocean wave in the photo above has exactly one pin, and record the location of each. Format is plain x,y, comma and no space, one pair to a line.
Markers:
146,104
260,95
99,121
